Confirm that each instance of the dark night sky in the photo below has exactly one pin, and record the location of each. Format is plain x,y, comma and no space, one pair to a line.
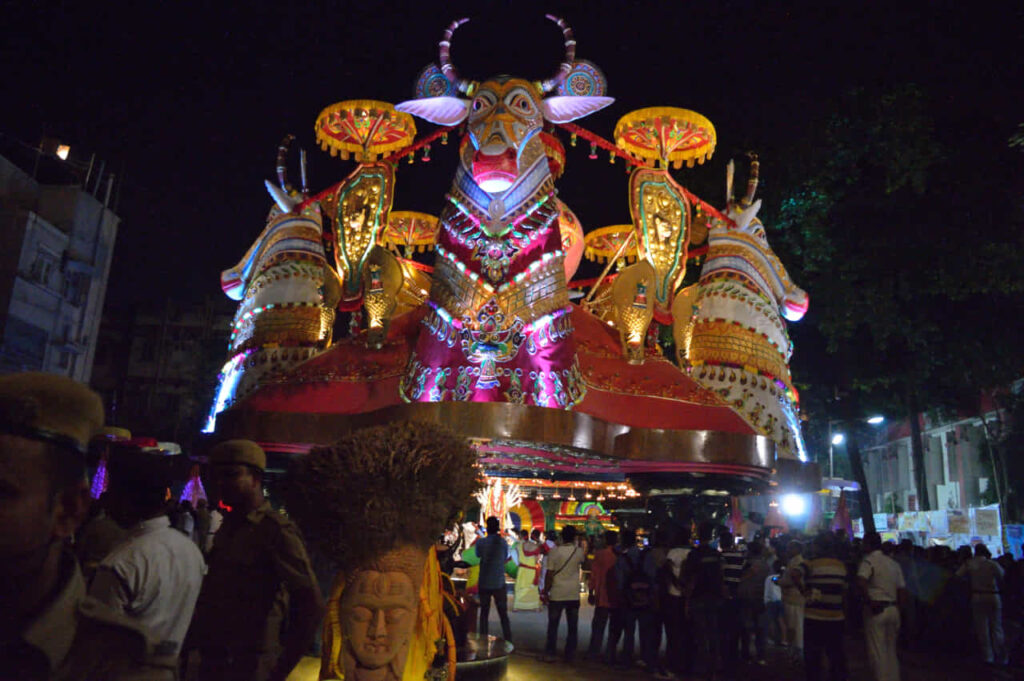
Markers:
193,99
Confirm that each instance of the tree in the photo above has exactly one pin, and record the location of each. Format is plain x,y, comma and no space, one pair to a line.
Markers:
909,256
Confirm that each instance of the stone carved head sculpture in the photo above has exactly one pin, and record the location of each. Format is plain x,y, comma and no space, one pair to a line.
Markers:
374,503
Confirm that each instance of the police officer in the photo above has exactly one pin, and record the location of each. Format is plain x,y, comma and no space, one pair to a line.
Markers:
259,575
49,628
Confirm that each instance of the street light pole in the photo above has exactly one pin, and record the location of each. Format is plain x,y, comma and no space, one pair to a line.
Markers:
831,472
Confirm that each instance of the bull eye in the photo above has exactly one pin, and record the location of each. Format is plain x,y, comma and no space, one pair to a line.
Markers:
481,103
521,104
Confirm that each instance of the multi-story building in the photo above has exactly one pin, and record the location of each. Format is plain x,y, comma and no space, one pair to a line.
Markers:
156,367
959,469
57,232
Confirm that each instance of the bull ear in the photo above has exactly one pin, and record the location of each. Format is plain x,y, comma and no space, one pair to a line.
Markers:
565,109
439,110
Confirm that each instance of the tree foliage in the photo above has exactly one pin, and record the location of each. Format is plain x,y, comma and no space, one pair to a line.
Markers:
911,253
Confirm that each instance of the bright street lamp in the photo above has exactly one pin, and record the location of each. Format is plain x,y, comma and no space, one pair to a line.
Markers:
836,439
793,505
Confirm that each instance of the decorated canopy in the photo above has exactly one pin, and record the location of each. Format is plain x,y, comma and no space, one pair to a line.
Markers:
409,231
365,128
667,134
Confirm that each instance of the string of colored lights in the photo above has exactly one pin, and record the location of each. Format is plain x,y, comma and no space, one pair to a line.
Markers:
596,490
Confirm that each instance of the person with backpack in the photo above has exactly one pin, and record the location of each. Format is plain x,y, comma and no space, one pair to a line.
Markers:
679,646
636,576
733,560
616,603
702,578
750,593
603,592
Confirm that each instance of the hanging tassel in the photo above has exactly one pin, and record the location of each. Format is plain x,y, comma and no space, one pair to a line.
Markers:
572,140
426,154
444,138
593,151
412,158
611,157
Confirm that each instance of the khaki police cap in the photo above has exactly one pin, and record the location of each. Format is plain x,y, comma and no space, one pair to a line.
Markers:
50,408
239,451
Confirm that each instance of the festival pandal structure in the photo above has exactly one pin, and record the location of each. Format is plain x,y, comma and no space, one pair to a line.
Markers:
485,340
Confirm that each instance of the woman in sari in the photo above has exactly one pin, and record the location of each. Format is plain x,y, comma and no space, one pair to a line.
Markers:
528,555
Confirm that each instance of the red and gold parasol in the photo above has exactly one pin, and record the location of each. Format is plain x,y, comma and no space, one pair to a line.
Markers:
364,127
609,243
409,230
668,135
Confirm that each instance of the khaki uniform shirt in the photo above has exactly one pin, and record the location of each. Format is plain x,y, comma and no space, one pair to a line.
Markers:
95,542
255,561
884,577
78,638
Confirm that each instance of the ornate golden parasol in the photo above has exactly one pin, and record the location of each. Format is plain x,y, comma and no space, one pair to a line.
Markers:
610,243
408,230
364,127
668,135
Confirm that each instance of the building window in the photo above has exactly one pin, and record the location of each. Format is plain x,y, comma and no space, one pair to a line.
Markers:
43,267
24,345
74,289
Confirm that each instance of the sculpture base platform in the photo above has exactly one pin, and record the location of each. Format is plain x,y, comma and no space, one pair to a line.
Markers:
483,659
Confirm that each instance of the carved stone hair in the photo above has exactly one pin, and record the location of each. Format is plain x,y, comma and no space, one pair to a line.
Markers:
379,489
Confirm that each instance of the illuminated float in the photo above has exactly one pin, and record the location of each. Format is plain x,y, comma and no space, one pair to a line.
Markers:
463,316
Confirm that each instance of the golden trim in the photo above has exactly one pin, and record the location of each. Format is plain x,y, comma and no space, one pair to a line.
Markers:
506,421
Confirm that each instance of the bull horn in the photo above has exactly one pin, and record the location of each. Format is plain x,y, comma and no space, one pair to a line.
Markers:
285,203
755,174
730,171
302,165
282,155
570,56
447,68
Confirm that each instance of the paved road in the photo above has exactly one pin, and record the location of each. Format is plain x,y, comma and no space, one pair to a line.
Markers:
529,631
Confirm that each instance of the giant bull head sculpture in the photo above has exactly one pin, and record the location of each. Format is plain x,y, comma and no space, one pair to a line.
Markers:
504,114
499,329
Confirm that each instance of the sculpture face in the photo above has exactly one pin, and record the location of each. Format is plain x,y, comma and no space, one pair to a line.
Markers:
378,613
792,300
504,116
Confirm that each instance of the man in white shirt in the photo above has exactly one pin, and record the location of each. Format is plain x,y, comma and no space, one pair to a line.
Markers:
986,577
562,592
881,582
154,576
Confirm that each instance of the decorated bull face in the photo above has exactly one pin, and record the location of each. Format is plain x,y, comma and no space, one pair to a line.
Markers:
504,119
504,115
747,233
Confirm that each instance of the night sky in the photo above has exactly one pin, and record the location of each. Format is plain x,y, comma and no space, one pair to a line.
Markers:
190,101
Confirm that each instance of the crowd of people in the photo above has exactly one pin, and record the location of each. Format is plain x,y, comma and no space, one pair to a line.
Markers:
134,589
718,604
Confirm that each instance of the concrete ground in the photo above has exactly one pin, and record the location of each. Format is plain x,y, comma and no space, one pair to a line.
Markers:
529,634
